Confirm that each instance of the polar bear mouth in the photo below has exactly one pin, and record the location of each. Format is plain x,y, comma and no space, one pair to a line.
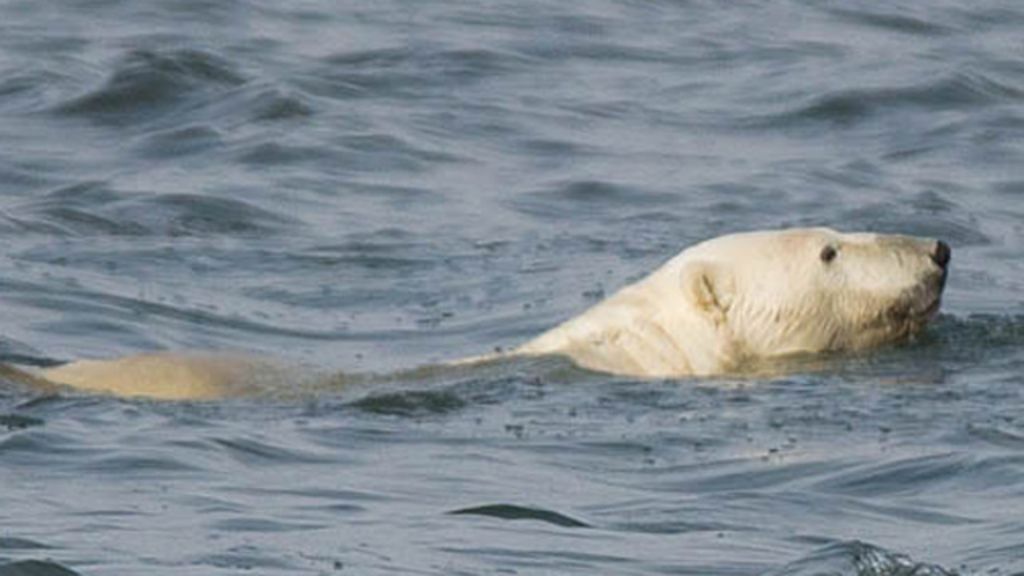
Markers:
926,300
911,315
933,308
919,315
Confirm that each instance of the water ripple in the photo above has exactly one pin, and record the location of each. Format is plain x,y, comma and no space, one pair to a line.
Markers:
855,558
914,24
10,543
595,198
401,72
958,91
35,568
146,84
514,512
95,208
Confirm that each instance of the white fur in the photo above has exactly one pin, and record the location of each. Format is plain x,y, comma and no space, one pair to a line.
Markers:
730,302
720,306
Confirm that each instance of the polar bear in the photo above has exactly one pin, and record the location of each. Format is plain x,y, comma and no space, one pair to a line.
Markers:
721,306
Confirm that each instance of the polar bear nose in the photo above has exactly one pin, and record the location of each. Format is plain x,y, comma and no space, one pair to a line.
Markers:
942,254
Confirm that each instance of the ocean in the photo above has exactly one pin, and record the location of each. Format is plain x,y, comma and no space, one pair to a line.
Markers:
368,187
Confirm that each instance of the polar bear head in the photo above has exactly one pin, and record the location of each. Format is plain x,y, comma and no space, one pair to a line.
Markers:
774,293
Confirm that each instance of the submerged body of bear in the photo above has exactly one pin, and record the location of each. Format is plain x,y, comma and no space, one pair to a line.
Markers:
718,307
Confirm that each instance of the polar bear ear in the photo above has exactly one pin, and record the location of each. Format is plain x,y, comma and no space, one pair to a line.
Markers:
710,287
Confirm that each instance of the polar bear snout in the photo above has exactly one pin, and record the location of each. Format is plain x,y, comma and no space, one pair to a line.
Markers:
942,254
928,301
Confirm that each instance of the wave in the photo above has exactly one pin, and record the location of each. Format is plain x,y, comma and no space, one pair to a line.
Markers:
912,24
957,91
12,543
589,197
514,512
14,421
97,209
35,568
407,71
181,97
146,82
855,558
23,91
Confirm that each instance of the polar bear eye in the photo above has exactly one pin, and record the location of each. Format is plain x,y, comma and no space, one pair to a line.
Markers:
828,254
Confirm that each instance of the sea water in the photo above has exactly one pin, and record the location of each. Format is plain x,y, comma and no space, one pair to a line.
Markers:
367,187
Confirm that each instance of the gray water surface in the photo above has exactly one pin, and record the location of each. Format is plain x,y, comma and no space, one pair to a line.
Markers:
373,186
